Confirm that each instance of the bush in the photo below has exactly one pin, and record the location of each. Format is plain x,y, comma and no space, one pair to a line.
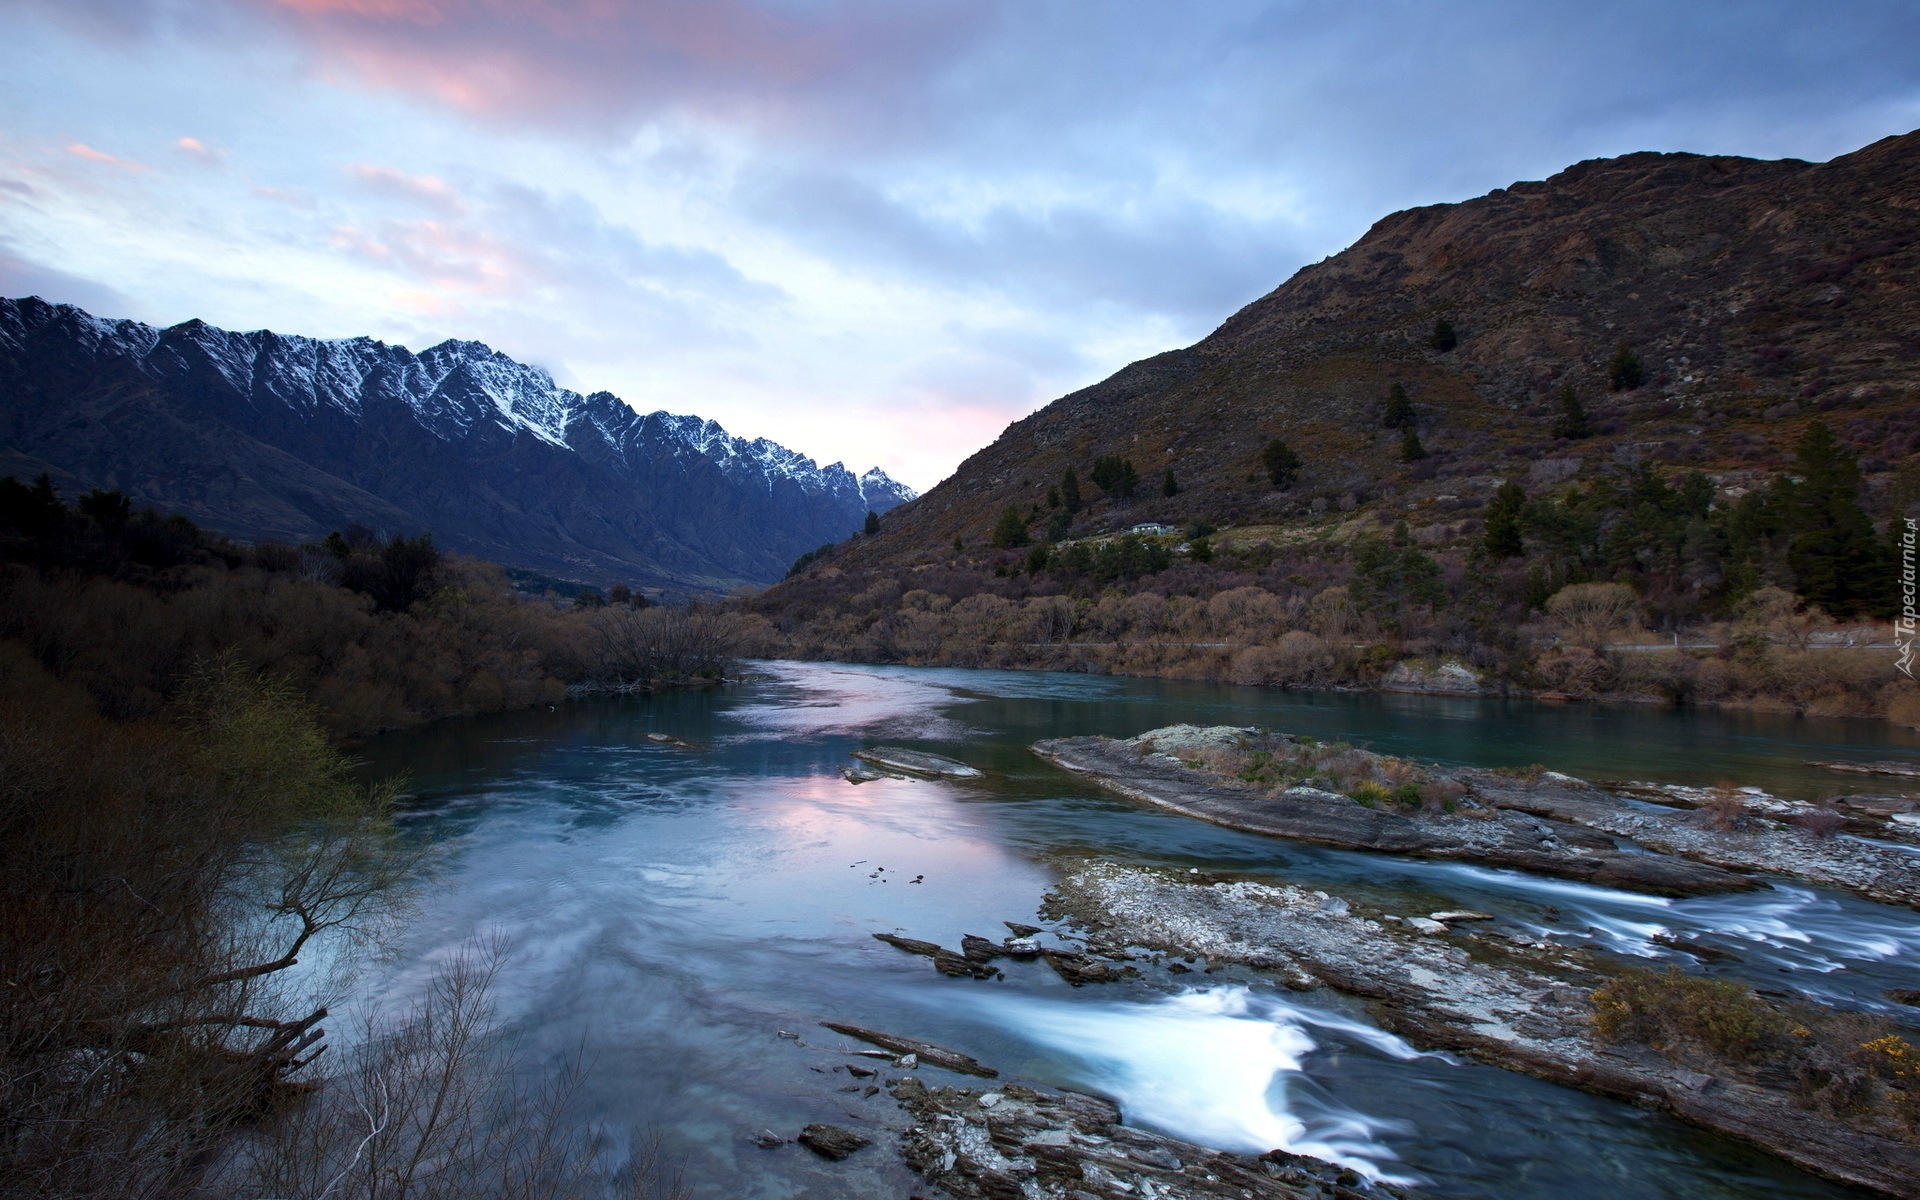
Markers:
1592,614
1283,465
1443,337
1676,1013
1625,372
1369,793
1410,448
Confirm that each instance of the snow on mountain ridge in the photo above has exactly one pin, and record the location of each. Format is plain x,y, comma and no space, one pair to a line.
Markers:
450,387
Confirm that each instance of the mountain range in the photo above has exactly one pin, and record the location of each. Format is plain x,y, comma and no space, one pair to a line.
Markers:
265,436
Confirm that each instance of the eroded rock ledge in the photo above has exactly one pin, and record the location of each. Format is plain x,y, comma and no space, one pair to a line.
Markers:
1017,1143
1540,821
1524,1008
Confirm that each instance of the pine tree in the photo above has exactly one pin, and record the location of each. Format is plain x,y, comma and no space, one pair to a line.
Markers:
1410,448
1170,486
1283,465
1837,560
1115,476
873,523
1572,423
1399,414
1443,339
1502,538
1010,530
1625,371
1070,491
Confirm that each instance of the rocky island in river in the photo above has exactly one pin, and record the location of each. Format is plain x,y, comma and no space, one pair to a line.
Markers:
1533,820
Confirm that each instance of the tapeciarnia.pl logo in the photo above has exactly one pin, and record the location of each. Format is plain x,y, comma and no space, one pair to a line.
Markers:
1903,625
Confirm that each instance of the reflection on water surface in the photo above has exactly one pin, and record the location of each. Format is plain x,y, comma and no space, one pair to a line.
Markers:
672,910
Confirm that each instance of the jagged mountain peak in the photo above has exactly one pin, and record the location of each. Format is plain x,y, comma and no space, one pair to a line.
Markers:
461,439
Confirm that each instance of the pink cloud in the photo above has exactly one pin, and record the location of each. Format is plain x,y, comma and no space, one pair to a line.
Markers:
194,148
425,188
82,150
598,63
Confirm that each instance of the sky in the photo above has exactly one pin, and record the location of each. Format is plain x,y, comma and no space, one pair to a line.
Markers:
875,231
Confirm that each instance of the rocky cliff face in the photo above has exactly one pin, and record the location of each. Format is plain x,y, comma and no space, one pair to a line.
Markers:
262,435
1757,295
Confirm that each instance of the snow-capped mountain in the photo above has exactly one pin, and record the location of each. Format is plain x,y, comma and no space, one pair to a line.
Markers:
264,435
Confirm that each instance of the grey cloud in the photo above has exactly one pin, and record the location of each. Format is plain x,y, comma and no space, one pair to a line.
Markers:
578,243
20,277
1173,255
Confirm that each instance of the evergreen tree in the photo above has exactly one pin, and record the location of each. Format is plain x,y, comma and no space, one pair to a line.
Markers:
1410,448
1037,560
1387,578
1169,487
1070,491
1443,339
1502,538
1283,465
1059,525
1399,414
109,509
873,523
1837,560
1115,476
1572,423
1625,371
1010,530
1053,496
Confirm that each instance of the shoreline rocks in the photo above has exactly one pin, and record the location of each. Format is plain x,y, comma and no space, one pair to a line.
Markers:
1523,1007
1019,1143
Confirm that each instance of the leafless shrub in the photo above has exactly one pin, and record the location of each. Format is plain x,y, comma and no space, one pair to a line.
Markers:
159,880
639,646
1441,795
1725,808
1593,614
1821,821
432,1106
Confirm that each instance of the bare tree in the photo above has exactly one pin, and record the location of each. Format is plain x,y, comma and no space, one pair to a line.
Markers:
640,647
430,1107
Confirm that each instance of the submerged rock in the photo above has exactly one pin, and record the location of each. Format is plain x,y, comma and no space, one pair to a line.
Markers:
831,1141
917,762
945,961
920,1051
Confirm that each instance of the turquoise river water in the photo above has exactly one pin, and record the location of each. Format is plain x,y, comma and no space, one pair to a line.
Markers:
670,911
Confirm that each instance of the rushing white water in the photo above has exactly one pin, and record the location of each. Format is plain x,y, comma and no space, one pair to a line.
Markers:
1223,1067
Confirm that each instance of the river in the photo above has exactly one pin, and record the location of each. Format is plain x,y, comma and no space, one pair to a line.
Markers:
672,913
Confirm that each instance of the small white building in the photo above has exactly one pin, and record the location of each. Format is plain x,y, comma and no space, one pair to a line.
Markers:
1152,529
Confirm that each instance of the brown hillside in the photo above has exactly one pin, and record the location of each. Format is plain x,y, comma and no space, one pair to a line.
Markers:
1758,294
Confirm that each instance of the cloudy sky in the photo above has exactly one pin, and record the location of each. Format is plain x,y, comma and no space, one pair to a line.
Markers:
874,230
